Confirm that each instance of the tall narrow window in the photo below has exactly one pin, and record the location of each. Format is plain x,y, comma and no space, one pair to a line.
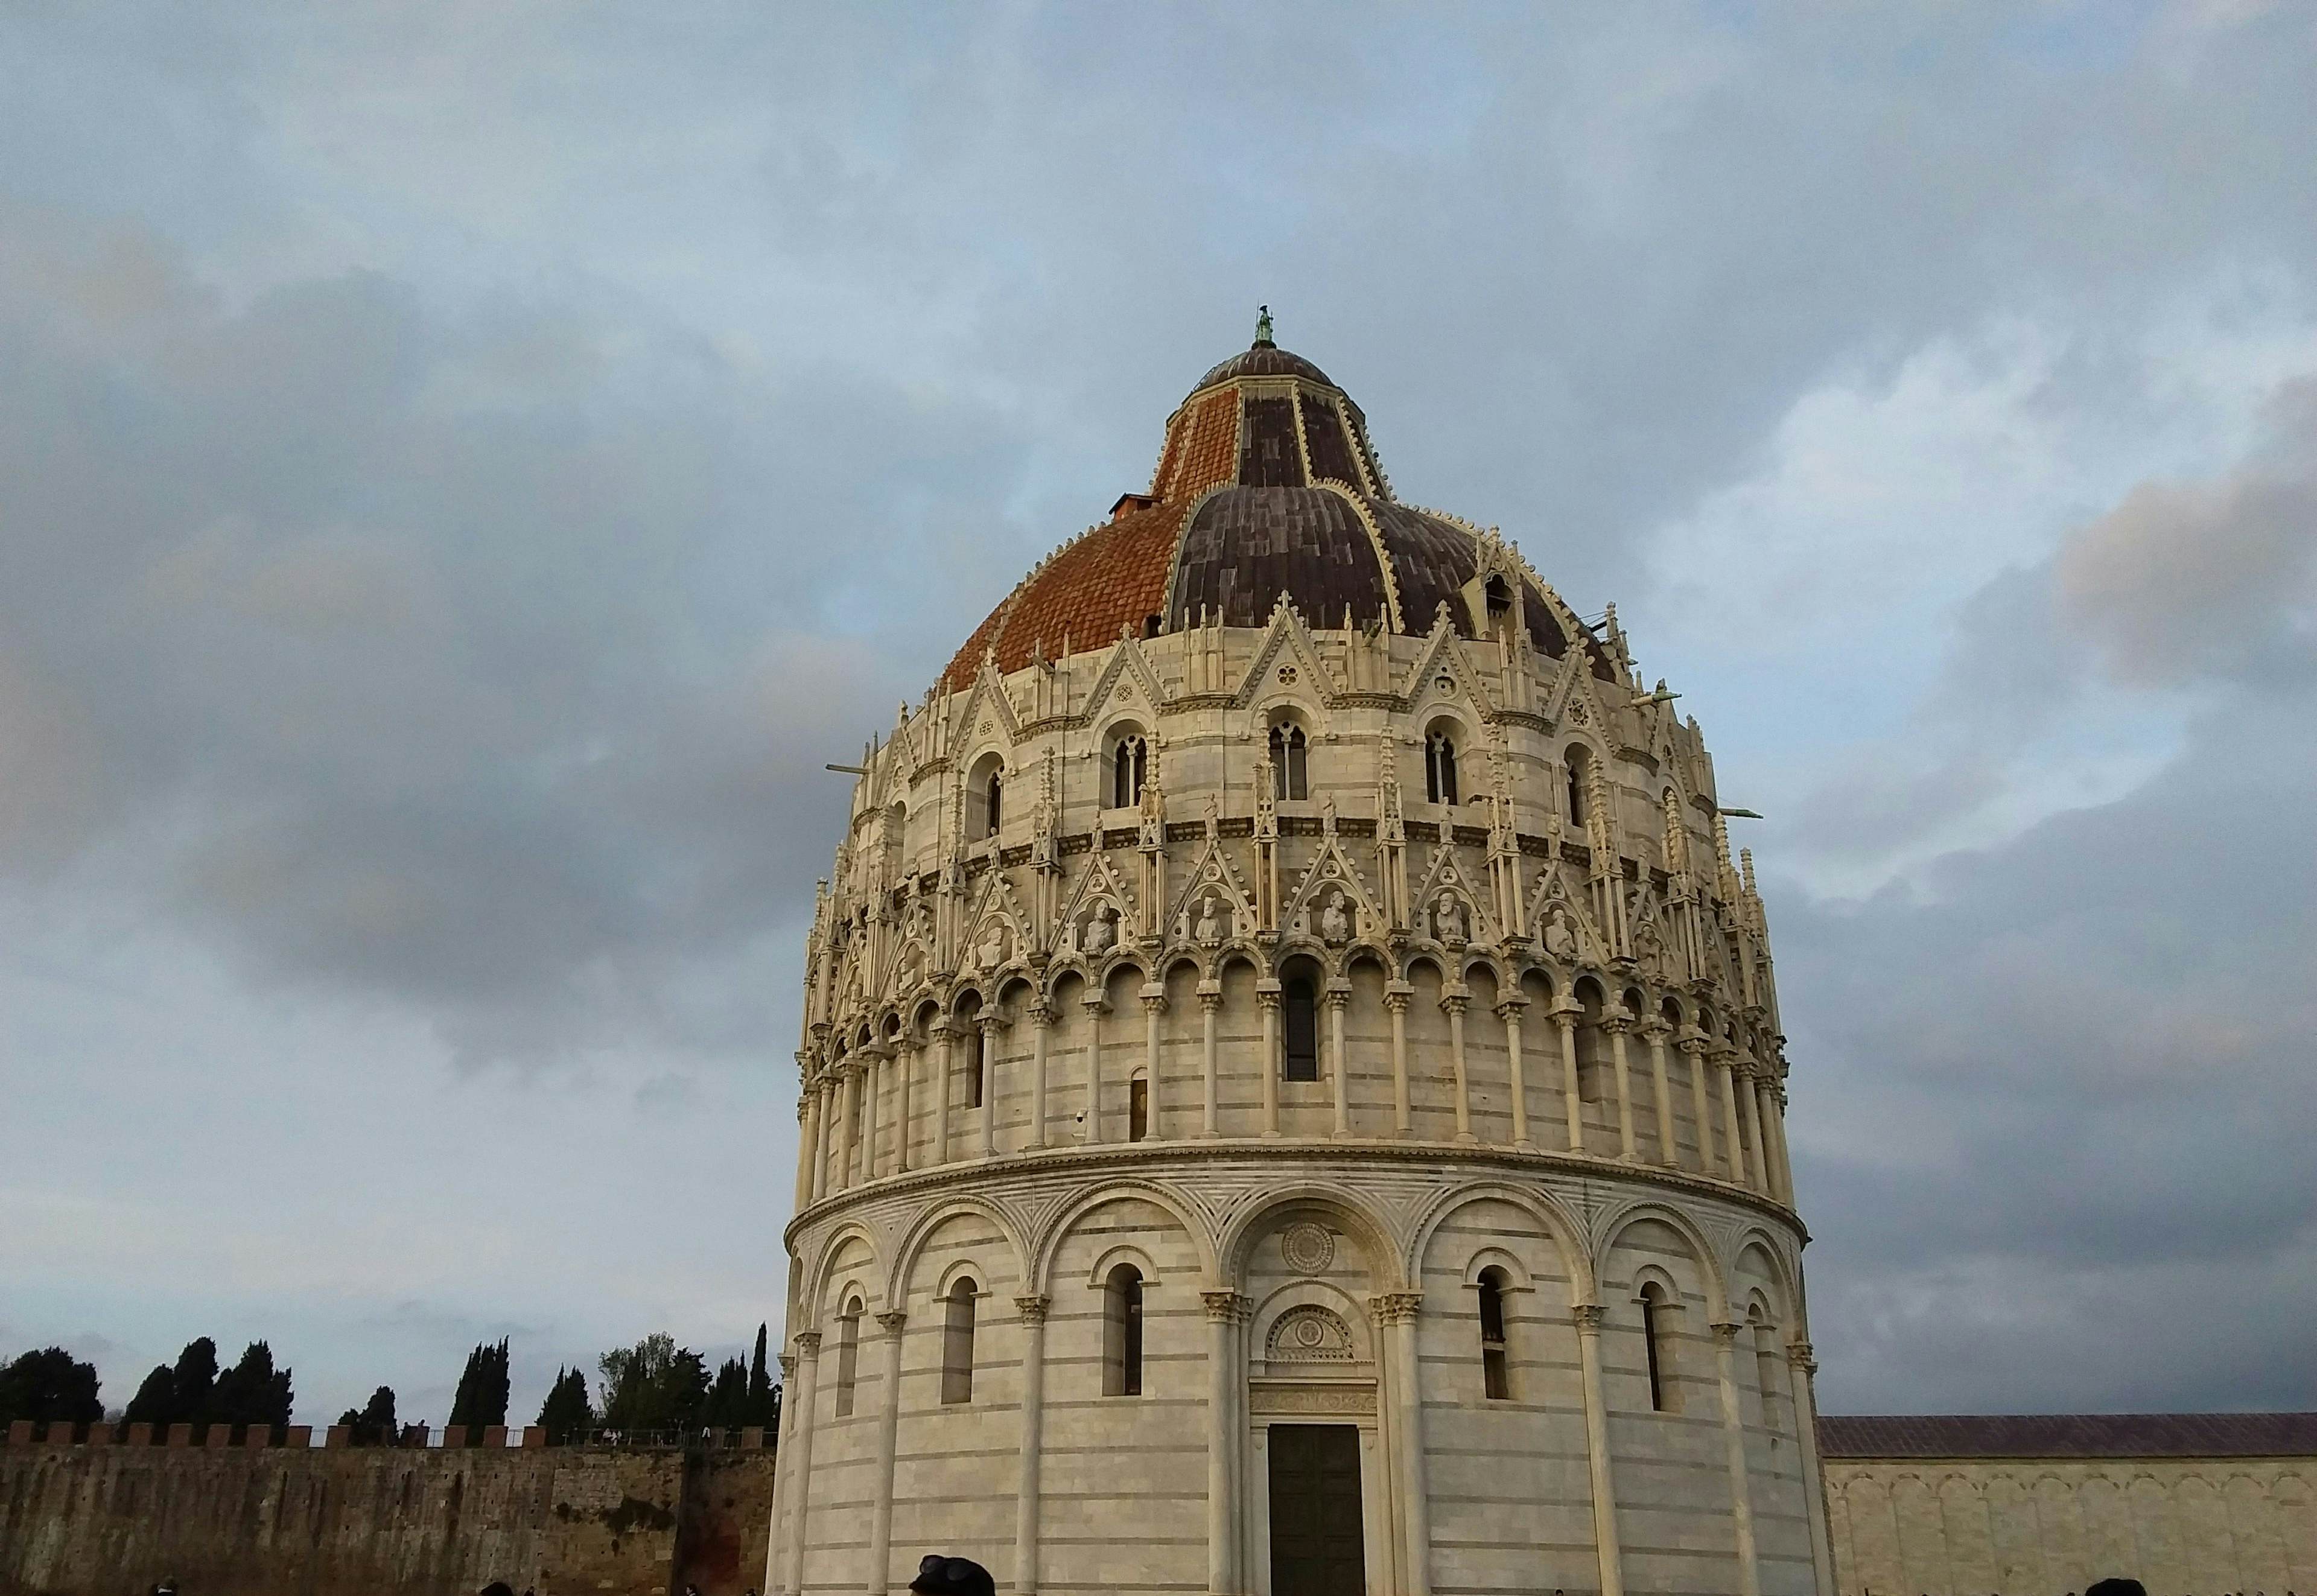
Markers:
1769,1368
1127,767
1138,1110
1495,1383
1288,749
997,800
1121,1333
848,1355
957,1342
1655,1332
1576,759
1500,611
1440,768
1301,1012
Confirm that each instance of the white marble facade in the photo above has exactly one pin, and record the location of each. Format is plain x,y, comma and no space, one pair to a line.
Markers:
1246,1075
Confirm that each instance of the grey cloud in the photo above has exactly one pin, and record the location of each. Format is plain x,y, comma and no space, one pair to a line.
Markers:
436,651
2097,1035
2188,581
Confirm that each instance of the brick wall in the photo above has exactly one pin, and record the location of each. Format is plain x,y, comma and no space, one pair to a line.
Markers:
106,1519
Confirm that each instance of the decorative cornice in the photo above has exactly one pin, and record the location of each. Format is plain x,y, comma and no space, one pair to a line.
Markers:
1139,1157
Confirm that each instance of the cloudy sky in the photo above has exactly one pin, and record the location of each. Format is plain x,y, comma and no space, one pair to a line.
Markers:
463,472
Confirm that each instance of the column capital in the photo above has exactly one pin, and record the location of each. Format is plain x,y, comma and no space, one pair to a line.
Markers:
1041,1013
1799,1354
1655,1029
890,1320
1223,1306
1726,1332
1693,1044
989,1025
1033,1307
807,1343
1095,1003
1617,1025
1396,1307
1455,1003
1510,1006
1588,1317
1153,1002
788,1366
1209,1002
1396,1002
1267,998
1337,997
1565,1014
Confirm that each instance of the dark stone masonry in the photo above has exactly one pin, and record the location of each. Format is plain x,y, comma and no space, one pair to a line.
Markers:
106,1520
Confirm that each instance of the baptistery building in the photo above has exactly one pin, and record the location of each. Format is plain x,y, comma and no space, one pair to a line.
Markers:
1292,1093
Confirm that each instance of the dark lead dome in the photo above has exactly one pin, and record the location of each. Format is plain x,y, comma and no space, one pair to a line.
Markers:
1264,360
1267,485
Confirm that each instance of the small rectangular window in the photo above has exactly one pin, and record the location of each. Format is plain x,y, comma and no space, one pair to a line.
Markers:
1138,1110
1302,1062
957,1344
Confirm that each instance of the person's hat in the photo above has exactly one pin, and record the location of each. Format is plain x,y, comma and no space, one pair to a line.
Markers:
952,1576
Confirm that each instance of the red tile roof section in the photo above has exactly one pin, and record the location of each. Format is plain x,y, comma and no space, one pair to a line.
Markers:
1208,456
2069,1434
1113,575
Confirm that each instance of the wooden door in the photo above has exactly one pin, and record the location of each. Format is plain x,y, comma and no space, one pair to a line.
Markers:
1316,1543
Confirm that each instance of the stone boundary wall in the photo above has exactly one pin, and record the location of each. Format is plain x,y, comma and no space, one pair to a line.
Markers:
1977,1526
290,1520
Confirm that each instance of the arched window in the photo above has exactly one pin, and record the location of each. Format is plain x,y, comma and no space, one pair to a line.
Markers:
1138,1110
1592,1045
1122,1331
1440,768
1287,763
1657,1338
848,1355
985,798
1578,760
1300,1004
1500,611
1495,1383
1129,762
977,1064
1769,1368
957,1342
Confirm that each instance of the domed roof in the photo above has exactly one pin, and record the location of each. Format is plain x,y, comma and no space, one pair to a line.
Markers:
1267,484
1264,358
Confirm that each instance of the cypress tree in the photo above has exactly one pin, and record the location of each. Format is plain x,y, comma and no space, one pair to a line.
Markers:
253,1391
374,1425
192,1386
482,1395
763,1406
156,1401
567,1415
727,1398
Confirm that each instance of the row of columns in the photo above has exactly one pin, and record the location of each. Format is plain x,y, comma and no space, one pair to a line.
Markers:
1401,1415
1752,1146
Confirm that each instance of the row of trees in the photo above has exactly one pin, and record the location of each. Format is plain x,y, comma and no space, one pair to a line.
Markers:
194,1391
652,1387
49,1387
